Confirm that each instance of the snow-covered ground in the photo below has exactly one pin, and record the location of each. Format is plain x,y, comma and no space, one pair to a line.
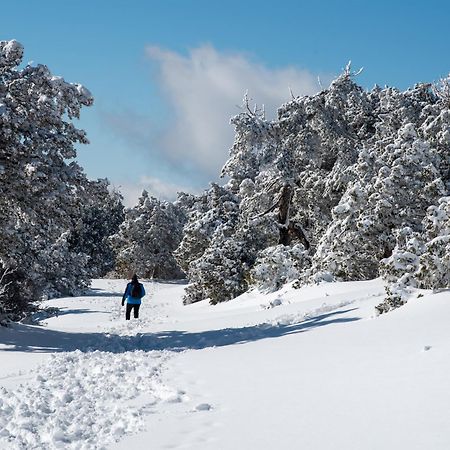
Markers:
310,368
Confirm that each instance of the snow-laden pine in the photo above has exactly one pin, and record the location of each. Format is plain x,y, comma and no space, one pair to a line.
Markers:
147,238
54,220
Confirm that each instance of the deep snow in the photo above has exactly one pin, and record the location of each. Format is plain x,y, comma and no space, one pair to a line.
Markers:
312,368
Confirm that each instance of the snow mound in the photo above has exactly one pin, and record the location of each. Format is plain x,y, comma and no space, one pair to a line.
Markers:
82,400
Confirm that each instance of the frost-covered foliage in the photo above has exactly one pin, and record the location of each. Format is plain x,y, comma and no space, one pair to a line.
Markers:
434,267
278,265
219,274
399,173
147,238
342,173
43,192
102,212
419,259
389,176
404,259
442,90
209,213
208,253
400,268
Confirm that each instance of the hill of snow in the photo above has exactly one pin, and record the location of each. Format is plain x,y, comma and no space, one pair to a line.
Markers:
310,368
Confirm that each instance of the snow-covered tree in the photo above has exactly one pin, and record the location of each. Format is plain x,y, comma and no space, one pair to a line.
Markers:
40,184
215,208
398,180
278,265
434,266
101,213
419,259
219,274
147,239
206,250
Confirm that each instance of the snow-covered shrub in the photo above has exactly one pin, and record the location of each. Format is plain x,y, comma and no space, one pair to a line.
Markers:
219,275
434,266
400,268
419,259
278,265
395,297
404,261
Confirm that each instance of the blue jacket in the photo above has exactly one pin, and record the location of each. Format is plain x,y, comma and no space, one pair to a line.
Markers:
133,300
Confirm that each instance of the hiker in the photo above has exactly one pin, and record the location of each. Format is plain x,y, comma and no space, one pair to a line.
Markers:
133,294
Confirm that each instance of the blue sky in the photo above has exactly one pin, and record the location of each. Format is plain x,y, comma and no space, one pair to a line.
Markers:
167,75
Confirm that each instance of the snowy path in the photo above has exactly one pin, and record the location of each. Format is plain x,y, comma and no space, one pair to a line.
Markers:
310,368
94,387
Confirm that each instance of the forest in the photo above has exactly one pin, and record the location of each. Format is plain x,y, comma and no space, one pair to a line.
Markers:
347,184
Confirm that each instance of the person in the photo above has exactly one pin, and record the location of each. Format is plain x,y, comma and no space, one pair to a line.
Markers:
132,295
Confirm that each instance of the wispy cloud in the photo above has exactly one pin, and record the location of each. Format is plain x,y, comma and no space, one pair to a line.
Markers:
200,91
203,89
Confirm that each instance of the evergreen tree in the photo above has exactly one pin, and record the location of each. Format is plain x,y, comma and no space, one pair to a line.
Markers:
391,173
206,252
434,266
43,192
147,238
101,213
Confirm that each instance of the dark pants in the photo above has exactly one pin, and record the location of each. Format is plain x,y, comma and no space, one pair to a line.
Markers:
129,308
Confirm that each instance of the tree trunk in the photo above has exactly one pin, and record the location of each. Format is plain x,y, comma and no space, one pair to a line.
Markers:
288,229
297,232
283,214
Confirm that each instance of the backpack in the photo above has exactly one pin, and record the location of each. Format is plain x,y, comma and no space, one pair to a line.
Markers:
136,290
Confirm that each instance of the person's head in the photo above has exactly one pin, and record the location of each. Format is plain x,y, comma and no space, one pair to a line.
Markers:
134,278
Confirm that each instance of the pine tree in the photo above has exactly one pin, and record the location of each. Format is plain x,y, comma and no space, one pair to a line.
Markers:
434,267
41,187
398,167
101,213
278,265
147,239
206,250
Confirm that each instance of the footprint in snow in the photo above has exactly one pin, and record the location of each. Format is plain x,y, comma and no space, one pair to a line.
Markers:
203,407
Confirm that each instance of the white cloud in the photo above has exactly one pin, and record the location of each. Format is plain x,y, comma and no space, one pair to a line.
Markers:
203,89
154,186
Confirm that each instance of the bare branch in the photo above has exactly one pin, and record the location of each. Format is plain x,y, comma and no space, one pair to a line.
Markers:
272,184
320,83
267,211
292,94
442,89
348,69
4,274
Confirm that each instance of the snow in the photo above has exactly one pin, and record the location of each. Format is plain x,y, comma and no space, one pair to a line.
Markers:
310,368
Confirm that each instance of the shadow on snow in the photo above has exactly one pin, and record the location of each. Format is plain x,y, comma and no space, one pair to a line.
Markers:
26,338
